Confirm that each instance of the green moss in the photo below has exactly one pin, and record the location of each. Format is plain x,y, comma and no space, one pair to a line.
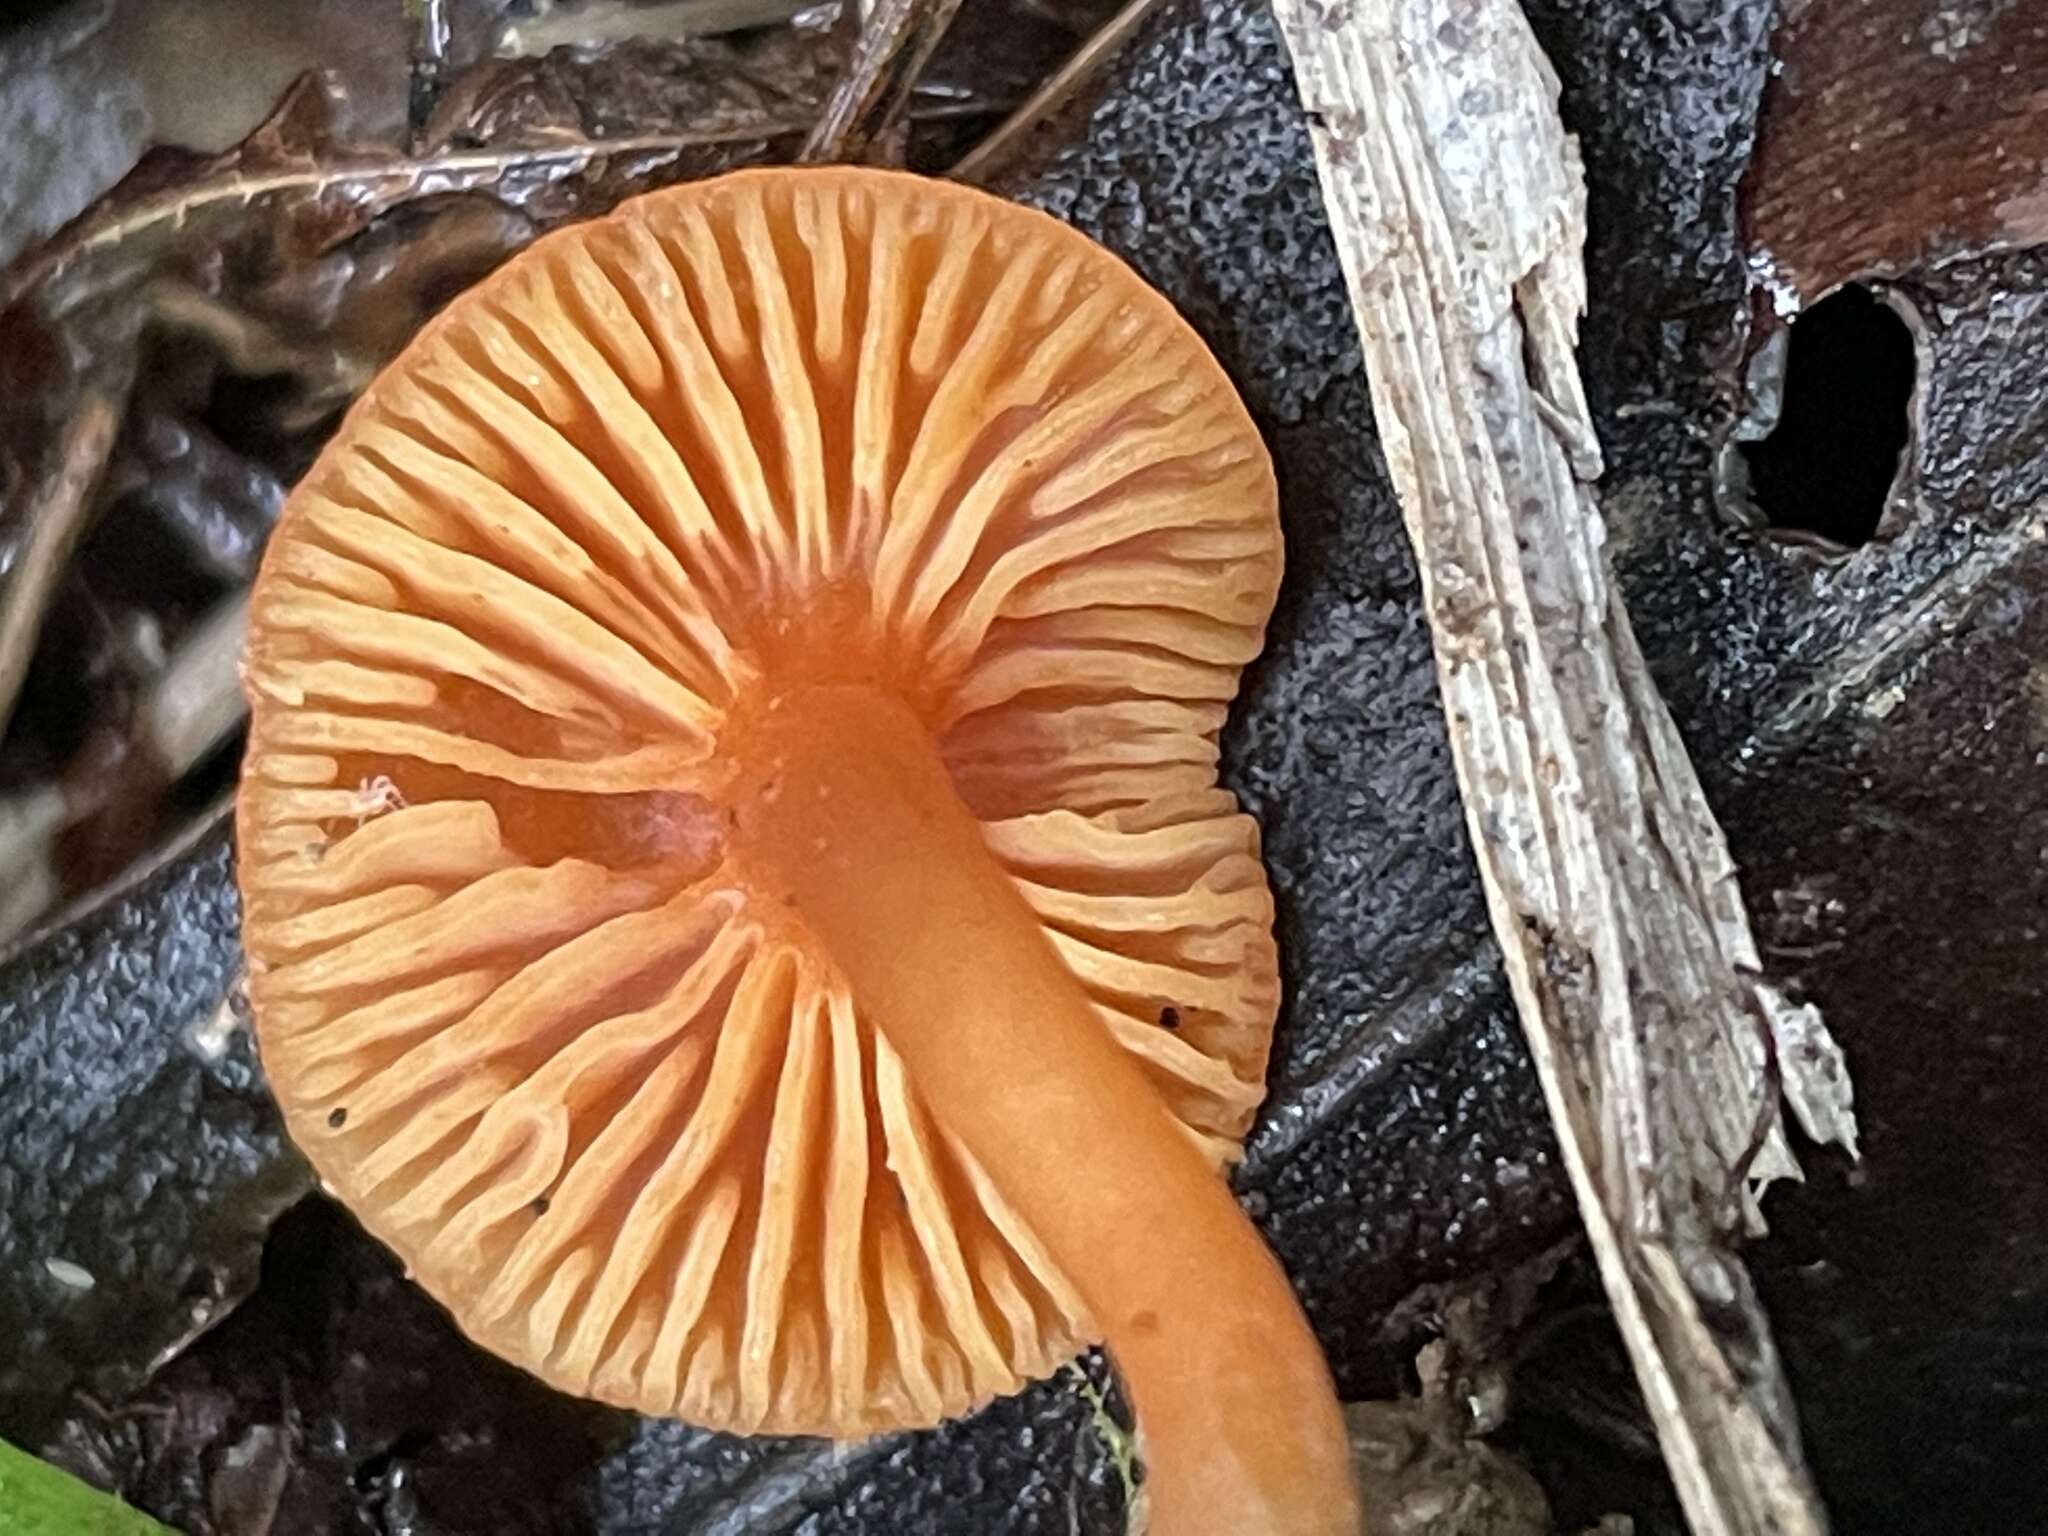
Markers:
38,1500
1121,1443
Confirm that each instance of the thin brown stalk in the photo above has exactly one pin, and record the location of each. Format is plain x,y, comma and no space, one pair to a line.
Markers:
1064,84
374,180
872,97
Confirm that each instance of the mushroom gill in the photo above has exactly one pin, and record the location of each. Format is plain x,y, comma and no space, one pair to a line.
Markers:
736,890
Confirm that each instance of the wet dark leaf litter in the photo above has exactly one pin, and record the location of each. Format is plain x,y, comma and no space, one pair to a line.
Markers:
1879,773
336,1399
139,1166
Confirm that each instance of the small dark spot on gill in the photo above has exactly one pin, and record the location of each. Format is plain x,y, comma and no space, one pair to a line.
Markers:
336,1119
1169,1017
1145,1322
540,1205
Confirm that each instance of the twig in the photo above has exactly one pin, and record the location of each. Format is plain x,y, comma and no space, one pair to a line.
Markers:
29,824
198,700
1459,213
590,26
896,40
1008,136
430,38
56,521
375,180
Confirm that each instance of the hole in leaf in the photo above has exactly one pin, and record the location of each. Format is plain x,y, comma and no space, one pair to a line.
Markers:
1828,466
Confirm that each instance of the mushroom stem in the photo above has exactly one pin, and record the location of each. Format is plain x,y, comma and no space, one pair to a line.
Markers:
853,820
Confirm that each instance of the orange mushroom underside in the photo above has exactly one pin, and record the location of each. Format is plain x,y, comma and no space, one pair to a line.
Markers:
748,646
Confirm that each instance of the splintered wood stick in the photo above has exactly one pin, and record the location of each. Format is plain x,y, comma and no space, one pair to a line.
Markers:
1458,207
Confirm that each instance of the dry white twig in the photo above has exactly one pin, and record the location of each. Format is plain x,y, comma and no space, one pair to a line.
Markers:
1458,206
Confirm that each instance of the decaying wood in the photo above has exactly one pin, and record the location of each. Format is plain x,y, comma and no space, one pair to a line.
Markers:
1458,205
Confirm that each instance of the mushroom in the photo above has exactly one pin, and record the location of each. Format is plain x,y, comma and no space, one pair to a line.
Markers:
736,890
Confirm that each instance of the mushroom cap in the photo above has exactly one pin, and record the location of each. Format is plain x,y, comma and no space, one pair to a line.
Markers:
522,1005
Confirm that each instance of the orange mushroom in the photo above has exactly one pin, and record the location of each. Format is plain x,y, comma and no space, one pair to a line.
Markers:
736,890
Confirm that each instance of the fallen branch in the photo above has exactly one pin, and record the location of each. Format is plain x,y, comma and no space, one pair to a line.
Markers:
1458,207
